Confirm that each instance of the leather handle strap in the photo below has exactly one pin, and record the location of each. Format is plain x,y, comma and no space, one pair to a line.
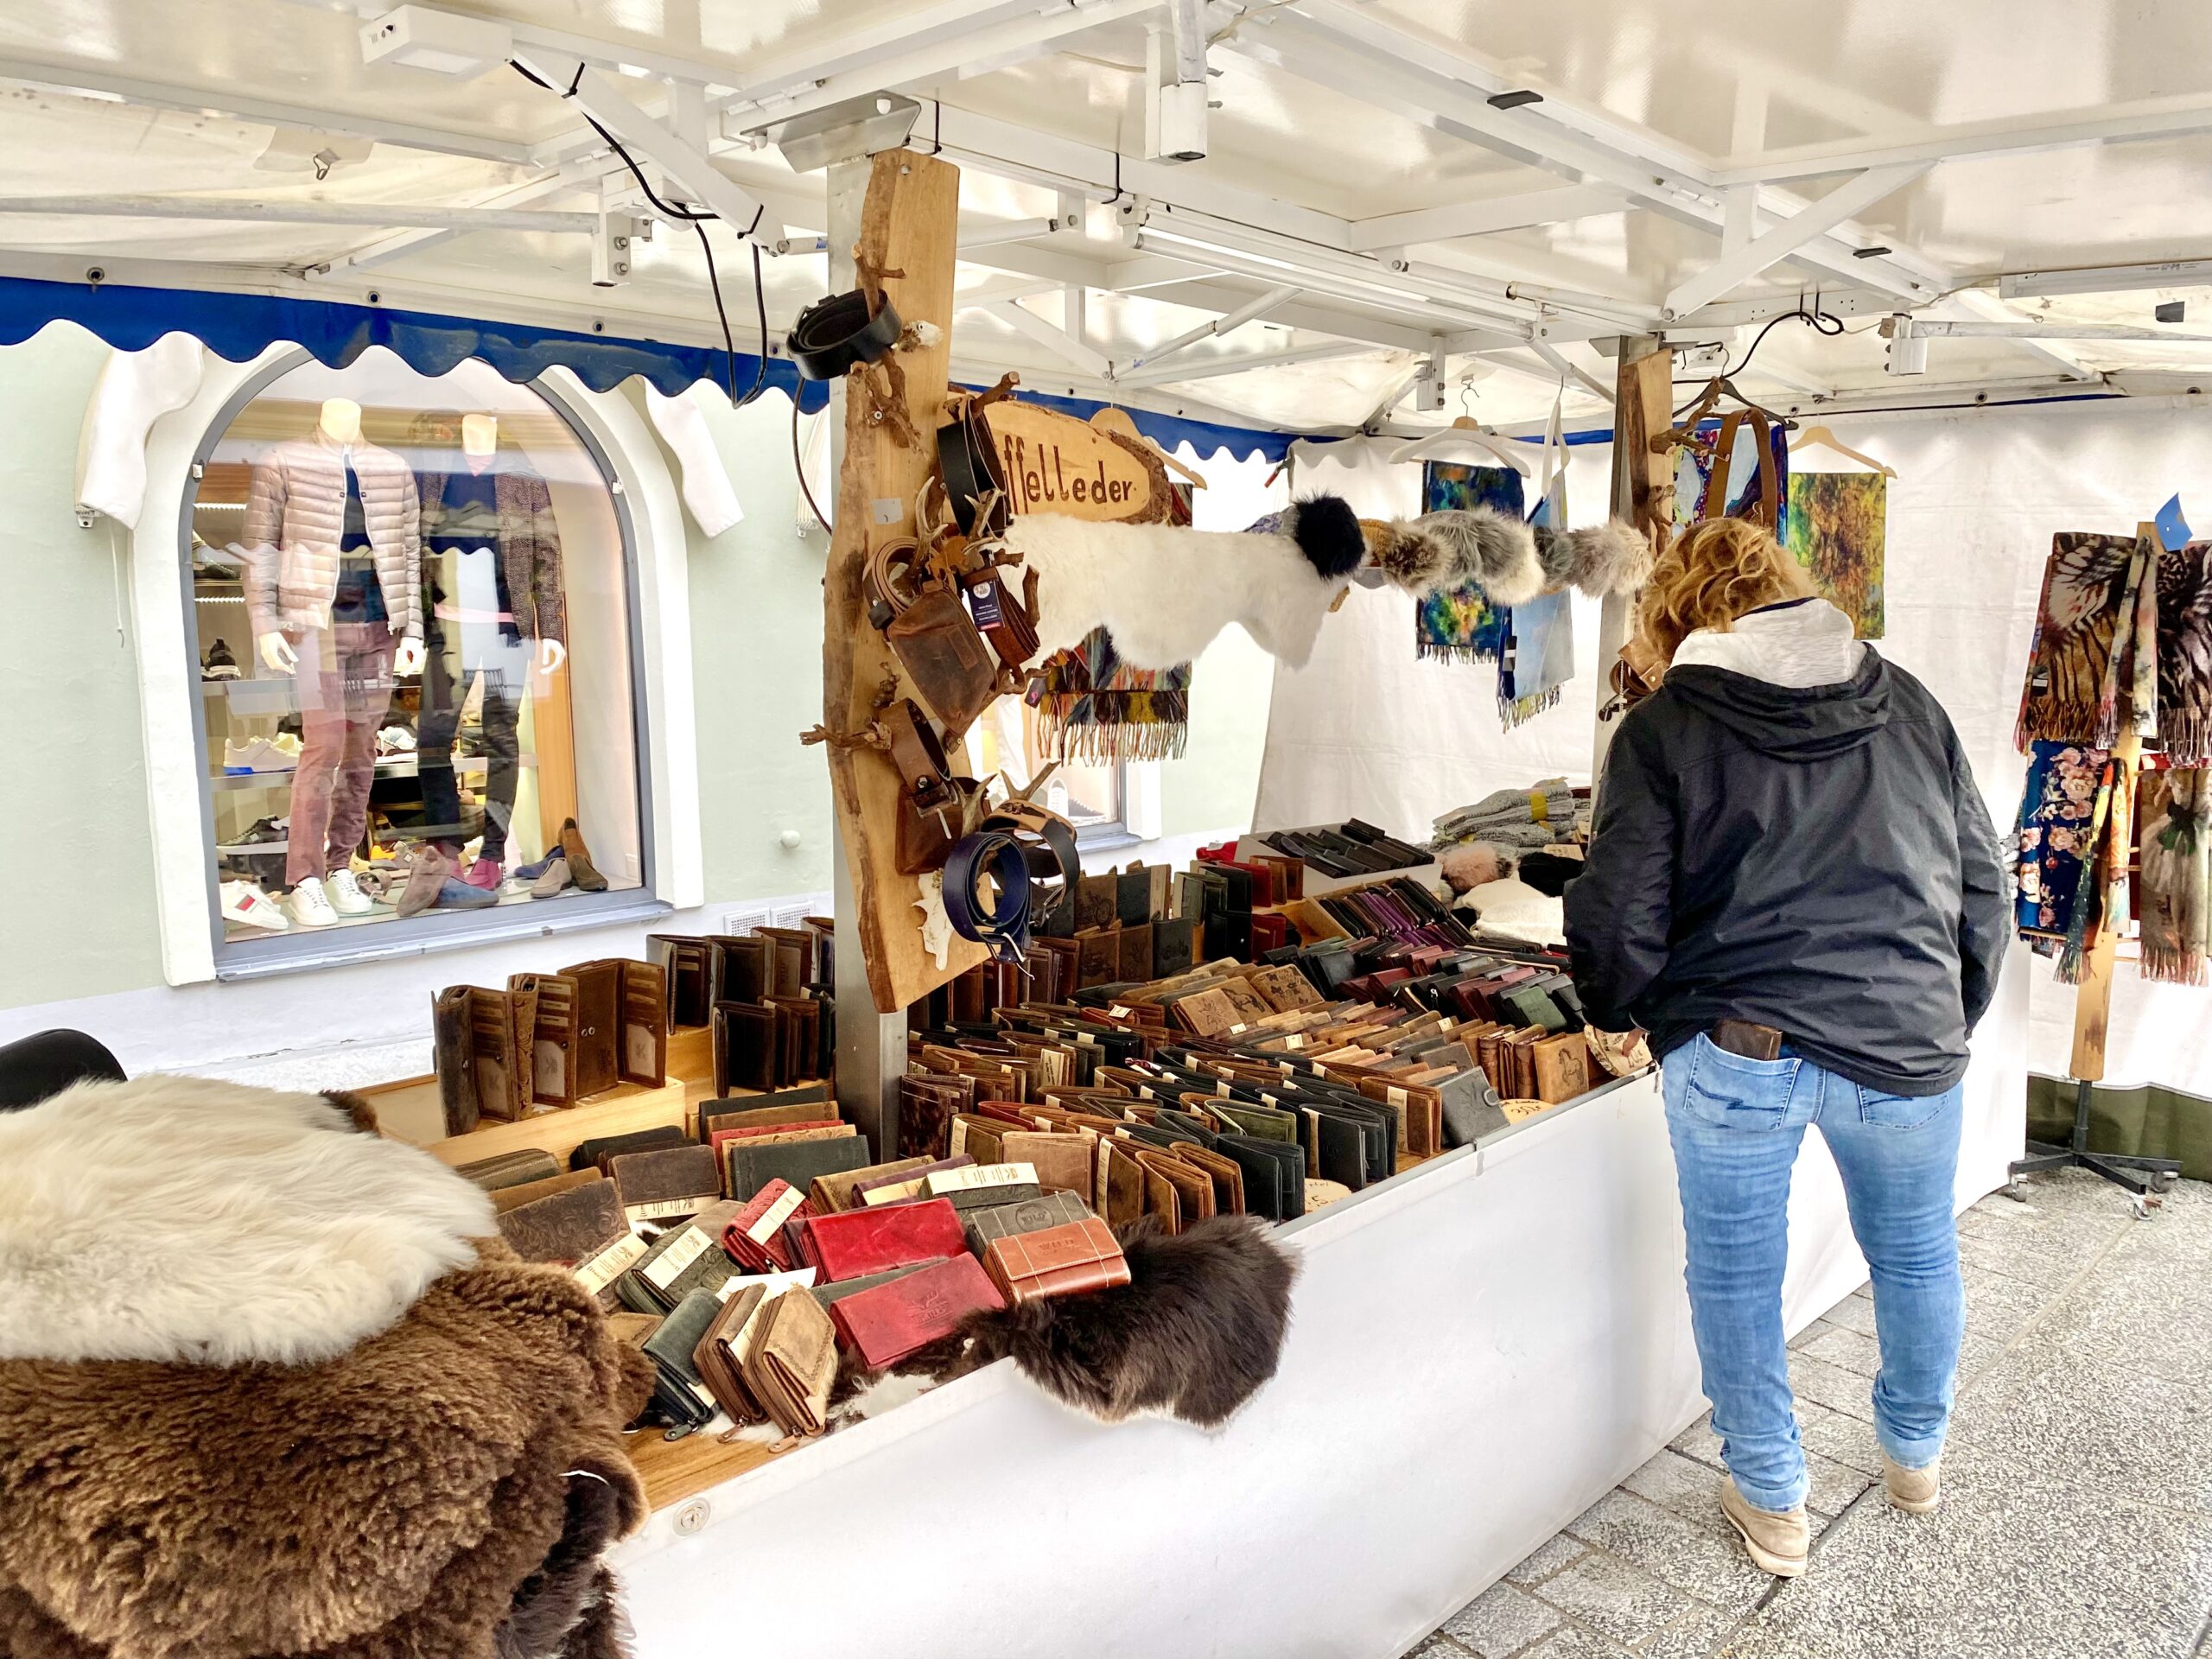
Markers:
1005,928
919,753
839,332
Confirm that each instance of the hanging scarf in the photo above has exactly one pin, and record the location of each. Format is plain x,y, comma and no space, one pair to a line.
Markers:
1092,707
1538,655
2171,886
1696,466
2092,889
2054,832
2085,654
2185,635
1460,624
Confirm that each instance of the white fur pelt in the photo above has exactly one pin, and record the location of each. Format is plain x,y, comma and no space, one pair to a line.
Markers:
183,1219
1164,591
1494,549
1608,558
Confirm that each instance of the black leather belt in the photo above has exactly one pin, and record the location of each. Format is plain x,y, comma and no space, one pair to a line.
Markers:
1005,929
1057,857
834,334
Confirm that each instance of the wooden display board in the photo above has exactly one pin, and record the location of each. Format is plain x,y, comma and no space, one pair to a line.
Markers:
909,226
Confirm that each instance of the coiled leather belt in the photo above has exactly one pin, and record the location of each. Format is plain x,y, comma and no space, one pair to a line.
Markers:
831,335
1004,928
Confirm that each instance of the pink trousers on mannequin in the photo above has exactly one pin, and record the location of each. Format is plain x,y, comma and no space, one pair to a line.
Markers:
345,687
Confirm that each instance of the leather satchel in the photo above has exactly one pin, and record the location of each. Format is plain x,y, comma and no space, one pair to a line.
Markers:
886,1324
792,1363
936,642
1057,1261
856,1241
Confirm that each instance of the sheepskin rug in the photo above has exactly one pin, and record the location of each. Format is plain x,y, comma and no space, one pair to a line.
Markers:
178,1218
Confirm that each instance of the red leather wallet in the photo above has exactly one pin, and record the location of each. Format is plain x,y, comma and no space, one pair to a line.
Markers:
755,1234
856,1241
886,1323
1057,1261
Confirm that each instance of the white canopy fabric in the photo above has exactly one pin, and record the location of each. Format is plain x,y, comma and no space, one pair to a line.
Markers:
1353,153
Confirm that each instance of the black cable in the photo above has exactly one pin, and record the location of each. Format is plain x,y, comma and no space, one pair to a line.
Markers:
798,465
1821,322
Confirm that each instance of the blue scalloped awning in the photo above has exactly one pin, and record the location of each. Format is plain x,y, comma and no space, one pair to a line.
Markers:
241,327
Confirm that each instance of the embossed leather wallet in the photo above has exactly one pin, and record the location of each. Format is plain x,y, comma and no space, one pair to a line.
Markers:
792,1363
755,1235
682,1260
884,1324
855,1242
1031,1216
664,1183
1059,1261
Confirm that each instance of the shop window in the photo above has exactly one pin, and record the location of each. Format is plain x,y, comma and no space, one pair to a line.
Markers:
1093,795
411,604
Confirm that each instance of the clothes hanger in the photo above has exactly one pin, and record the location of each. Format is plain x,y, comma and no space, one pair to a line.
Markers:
1117,422
1701,407
1466,432
1821,436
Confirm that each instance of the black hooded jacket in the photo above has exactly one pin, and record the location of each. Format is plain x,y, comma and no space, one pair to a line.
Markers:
1816,859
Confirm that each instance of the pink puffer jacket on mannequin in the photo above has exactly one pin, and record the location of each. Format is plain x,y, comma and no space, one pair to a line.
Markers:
295,515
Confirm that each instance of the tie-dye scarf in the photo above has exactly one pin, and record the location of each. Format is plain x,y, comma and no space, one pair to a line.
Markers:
1696,497
2057,810
1460,624
2093,664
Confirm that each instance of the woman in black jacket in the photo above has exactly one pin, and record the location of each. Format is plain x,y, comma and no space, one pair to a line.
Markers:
1794,886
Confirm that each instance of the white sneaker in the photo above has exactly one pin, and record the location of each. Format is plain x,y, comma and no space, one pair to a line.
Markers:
279,753
245,901
344,893
308,907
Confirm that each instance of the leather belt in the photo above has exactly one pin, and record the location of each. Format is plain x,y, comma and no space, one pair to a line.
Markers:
832,336
1057,857
919,753
886,597
1005,929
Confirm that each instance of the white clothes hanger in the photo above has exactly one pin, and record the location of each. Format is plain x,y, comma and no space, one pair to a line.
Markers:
1467,433
1826,440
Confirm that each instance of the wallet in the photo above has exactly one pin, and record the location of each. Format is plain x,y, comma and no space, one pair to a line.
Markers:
747,1168
481,1044
455,1070
720,1356
792,1362
621,1024
509,1169
551,1000
672,1348
666,1182
595,1152
1062,1162
856,1241
687,970
1057,1261
508,1197
754,1235
885,1323
1562,1065
744,1047
682,1260
1030,1215
1749,1041
826,1294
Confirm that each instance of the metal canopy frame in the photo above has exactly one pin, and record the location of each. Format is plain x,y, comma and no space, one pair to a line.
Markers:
1397,282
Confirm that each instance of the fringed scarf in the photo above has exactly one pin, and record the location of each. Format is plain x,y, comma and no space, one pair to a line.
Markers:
1696,467
1538,655
2171,885
2184,632
2092,889
2053,834
1460,625
2097,605
1092,707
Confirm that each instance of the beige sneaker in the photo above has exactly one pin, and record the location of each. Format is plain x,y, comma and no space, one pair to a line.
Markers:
1917,1491
1777,1543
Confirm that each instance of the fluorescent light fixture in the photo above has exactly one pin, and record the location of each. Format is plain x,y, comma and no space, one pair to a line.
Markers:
417,37
2105,279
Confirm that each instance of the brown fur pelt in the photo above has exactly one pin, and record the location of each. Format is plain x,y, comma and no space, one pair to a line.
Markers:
444,1487
1194,1334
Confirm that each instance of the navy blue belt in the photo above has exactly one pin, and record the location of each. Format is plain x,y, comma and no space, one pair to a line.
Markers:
1004,928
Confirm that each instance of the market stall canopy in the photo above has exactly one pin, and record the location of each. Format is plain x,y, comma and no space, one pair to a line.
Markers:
1389,202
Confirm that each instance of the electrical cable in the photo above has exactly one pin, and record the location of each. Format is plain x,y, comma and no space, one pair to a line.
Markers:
798,465
1821,322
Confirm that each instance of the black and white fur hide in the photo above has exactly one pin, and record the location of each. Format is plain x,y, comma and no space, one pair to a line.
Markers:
1164,591
1194,1335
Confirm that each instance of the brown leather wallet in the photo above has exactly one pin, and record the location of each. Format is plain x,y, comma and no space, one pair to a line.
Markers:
1742,1037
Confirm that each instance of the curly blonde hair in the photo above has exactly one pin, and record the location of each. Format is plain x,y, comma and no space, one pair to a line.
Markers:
1716,571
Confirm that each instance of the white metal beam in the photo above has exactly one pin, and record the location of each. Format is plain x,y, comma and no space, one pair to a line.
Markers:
1228,323
403,244
1212,368
1769,247
2184,117
1513,213
1976,304
1054,338
2025,328
244,211
79,81
689,169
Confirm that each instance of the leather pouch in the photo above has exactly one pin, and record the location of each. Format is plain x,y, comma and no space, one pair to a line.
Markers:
924,836
597,1047
794,1362
936,642
885,1323
1059,1261
456,1075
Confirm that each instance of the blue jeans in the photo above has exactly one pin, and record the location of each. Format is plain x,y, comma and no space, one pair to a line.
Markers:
1737,1126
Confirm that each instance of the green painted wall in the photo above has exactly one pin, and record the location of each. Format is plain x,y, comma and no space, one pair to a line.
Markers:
76,916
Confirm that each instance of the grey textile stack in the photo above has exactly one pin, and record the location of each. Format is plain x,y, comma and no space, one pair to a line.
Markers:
1509,818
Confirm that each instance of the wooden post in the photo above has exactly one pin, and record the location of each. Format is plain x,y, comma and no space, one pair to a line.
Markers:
908,226
2092,995
1643,493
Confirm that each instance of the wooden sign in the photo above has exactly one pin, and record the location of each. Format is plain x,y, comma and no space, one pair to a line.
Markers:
1056,463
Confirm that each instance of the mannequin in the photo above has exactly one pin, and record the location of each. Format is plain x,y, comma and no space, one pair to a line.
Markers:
333,591
496,620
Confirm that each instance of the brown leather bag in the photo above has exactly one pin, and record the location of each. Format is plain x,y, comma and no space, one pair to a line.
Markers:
954,672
